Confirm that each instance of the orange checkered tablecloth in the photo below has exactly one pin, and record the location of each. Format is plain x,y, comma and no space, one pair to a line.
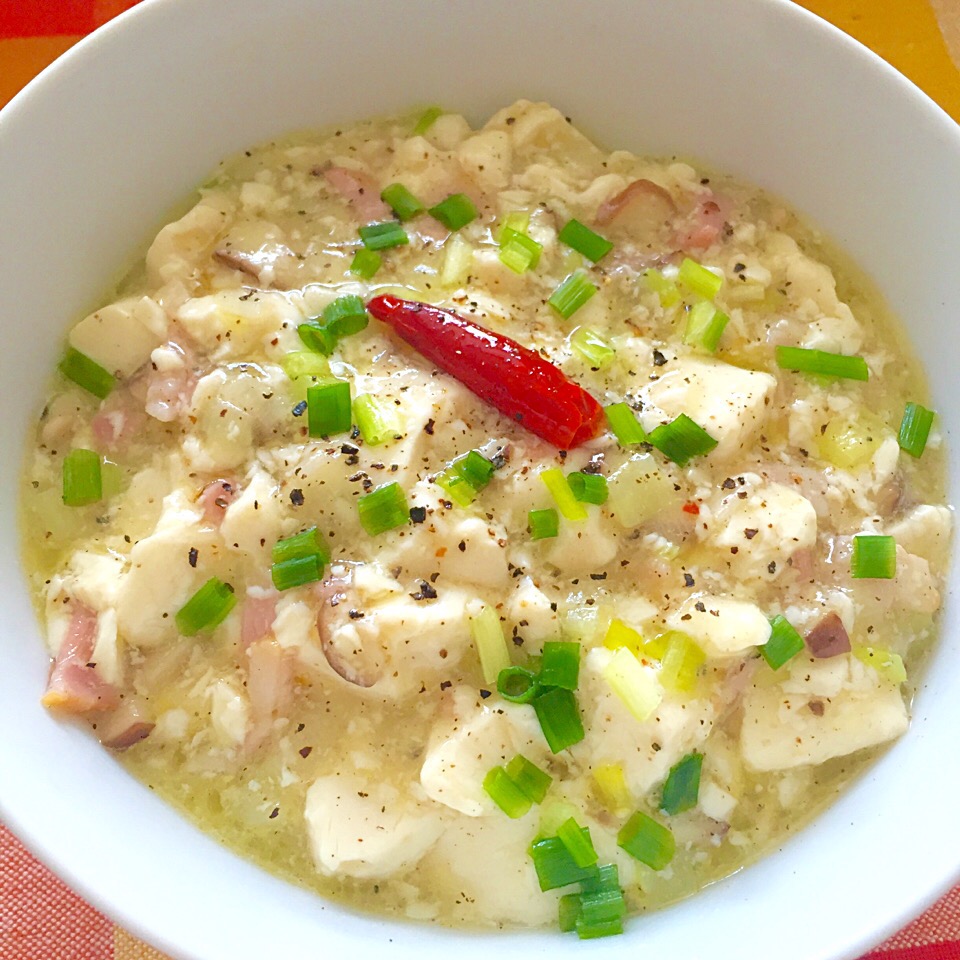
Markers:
40,917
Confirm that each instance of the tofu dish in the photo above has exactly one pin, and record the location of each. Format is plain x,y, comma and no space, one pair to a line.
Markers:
485,529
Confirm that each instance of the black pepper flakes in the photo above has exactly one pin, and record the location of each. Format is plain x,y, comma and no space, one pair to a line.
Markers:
428,427
305,752
296,497
418,514
426,592
300,409
192,556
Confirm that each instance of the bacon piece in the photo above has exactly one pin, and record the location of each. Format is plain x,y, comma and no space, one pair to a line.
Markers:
641,206
360,190
703,226
215,498
117,421
256,618
828,638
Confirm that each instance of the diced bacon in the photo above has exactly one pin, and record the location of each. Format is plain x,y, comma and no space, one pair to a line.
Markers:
828,638
256,618
703,226
74,685
125,726
360,190
117,421
641,203
215,499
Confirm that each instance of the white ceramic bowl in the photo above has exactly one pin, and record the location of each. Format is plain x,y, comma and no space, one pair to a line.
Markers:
95,152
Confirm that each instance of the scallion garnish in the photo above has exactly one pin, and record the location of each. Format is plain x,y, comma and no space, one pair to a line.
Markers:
602,906
665,289
560,664
588,487
636,687
874,557
365,263
86,373
888,664
403,203
82,478
915,428
647,841
705,326
582,239
207,608
345,316
456,486
698,279
533,781
572,294
681,440
307,543
682,787
296,571
382,236
784,643
554,865
317,337
592,347
305,363
543,524
578,843
377,419
559,718
455,211
457,260
466,476
505,793
820,362
517,684
426,121
328,408
383,509
491,645
624,424
566,502
518,251
680,660
620,635
568,912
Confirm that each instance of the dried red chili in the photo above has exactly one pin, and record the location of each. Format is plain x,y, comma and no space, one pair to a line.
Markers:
515,380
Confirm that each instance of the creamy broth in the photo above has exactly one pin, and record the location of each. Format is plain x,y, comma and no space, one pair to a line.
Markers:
339,732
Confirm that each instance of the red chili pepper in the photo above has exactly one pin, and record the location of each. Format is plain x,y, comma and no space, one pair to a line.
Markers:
691,507
515,380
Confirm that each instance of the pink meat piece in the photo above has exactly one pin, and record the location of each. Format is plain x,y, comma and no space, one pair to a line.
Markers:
257,618
828,638
215,498
270,672
641,200
703,226
360,190
117,421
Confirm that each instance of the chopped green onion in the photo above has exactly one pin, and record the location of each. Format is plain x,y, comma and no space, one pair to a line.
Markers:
403,203
624,424
517,684
682,787
505,793
612,787
328,408
304,363
784,643
345,316
383,509
517,221
316,337
578,843
620,635
572,294
560,664
820,362
533,781
307,543
377,419
705,326
592,347
518,251
111,479
665,289
602,906
426,121
382,236
543,524
457,260
681,440
490,643
207,608
296,571
82,478
566,502
582,239
593,931
86,373
588,487
874,557
569,912
698,279
476,469
457,487
647,841
455,211
365,263
915,428
889,665
559,718
554,865
636,687
680,659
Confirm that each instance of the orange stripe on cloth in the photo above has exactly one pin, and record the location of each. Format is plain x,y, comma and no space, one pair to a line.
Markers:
23,58
127,947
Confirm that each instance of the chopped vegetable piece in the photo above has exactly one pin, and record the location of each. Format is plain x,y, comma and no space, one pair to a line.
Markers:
705,326
682,787
457,259
554,865
506,794
305,363
533,781
582,239
403,203
518,251
612,788
874,557
207,608
572,294
559,718
665,289
566,502
455,211
328,408
624,424
620,635
588,487
819,361
634,685
491,646
426,121
681,440
86,373
383,236
516,381
383,509
476,469
850,442
698,279
365,263
569,911
578,843
560,664
82,478
601,899
680,660
784,643
647,841
456,486
592,347
377,419
307,543
543,524
296,571
888,664
517,221
915,428
552,814
517,684
345,316
317,337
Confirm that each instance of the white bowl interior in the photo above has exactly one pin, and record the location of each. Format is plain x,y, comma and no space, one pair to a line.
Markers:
101,147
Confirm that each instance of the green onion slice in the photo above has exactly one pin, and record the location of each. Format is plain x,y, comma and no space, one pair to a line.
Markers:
559,718
568,912
307,543
592,347
578,843
560,664
506,793
403,203
517,684
377,419
328,408
647,841
382,236
582,239
491,645
316,337
305,363
820,362
296,571
455,211
207,608
665,289
346,315
383,509
874,557
86,373
784,643
533,781
682,787
698,279
566,502
588,487
543,524
705,326
915,428
572,294
426,121
456,486
681,440
554,865
624,424
518,251
82,478
365,263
